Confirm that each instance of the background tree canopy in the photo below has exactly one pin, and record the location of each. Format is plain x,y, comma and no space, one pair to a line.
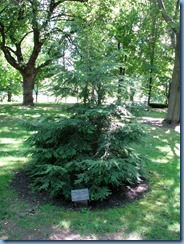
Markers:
92,50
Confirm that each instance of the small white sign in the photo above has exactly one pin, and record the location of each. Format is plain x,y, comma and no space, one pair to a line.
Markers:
80,195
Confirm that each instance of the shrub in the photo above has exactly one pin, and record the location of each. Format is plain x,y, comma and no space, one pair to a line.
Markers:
89,149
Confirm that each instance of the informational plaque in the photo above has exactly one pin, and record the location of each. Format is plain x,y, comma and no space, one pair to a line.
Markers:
80,195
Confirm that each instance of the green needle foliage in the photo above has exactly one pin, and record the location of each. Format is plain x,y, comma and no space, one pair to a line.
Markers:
90,149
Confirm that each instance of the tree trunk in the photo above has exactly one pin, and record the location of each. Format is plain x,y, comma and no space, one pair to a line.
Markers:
28,86
132,93
36,93
85,93
9,95
120,82
93,99
10,91
173,113
150,85
100,94
121,79
167,92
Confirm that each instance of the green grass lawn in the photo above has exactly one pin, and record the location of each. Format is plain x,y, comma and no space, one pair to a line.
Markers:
154,217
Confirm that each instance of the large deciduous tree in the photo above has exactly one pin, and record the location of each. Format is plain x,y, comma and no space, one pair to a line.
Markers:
173,114
26,28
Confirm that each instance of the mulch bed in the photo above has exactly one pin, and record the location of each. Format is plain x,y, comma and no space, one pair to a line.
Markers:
124,195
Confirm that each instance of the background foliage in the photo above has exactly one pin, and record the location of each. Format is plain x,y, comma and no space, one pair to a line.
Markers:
92,49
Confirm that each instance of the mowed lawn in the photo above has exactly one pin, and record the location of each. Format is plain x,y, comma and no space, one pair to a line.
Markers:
154,217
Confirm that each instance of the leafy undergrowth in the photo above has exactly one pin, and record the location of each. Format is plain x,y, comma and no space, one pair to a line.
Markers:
154,217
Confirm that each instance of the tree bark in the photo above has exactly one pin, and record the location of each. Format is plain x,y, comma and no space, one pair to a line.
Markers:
132,93
150,85
173,114
121,79
36,93
28,86
9,91
9,96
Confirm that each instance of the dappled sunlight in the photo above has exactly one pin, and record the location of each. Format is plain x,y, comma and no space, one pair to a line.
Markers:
9,165
162,160
63,234
155,137
177,149
165,156
166,144
153,128
11,160
59,233
177,129
150,217
3,116
176,206
64,224
9,141
30,115
5,129
174,227
10,152
176,194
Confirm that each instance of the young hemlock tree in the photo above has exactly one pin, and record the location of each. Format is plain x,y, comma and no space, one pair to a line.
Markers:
89,149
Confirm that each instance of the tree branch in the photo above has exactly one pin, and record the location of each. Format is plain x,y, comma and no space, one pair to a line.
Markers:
62,1
10,49
167,18
177,5
35,53
62,15
47,62
21,40
3,10
11,60
7,50
165,15
18,53
54,5
177,9
2,34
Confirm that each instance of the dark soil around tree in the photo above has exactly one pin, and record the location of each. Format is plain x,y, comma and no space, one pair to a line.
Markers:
123,195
